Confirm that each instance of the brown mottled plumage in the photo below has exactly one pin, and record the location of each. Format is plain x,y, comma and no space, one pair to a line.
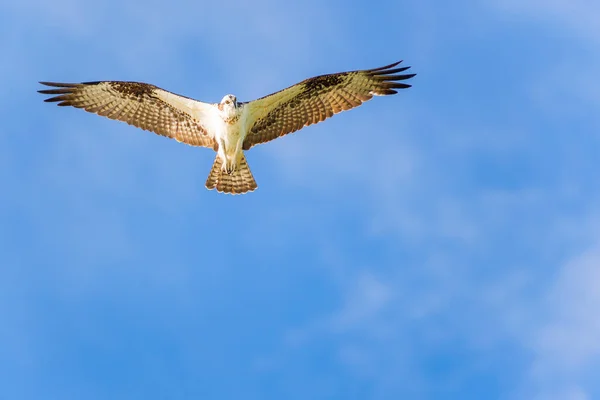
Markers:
240,181
138,104
230,127
315,99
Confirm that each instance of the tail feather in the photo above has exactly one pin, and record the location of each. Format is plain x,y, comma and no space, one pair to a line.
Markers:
241,181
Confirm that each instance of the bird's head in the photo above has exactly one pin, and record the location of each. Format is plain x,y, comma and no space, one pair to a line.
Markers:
229,103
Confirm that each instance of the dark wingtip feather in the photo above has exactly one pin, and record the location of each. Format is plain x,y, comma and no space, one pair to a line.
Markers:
389,77
398,77
386,67
399,85
57,98
62,89
392,71
58,84
389,82
56,91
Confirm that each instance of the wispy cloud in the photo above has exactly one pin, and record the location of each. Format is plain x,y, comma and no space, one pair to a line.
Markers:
565,343
578,16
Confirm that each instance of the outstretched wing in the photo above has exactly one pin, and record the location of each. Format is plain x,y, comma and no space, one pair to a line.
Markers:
315,99
140,104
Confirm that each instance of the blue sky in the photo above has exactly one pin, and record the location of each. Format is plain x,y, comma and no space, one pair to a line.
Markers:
441,243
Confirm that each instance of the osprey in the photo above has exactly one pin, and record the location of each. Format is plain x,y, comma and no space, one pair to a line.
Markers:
230,127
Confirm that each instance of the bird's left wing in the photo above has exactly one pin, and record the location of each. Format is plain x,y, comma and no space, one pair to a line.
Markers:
315,99
140,104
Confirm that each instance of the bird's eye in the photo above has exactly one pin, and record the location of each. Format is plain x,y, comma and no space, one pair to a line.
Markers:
227,101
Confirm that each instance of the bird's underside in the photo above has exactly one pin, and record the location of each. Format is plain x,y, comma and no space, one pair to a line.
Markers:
230,127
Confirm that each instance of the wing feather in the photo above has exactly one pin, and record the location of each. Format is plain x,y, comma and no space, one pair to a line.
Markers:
316,99
140,104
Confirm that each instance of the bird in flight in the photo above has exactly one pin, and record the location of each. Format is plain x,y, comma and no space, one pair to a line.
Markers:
230,127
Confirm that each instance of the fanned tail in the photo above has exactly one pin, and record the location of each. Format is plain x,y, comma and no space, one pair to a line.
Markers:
239,182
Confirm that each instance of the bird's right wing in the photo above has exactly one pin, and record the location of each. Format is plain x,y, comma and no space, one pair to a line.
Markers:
140,104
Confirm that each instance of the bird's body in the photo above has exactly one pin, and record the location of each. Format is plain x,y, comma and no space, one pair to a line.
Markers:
230,131
229,127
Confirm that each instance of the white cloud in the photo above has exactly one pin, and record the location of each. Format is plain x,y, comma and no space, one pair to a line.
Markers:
562,328
569,88
566,342
369,296
479,276
567,393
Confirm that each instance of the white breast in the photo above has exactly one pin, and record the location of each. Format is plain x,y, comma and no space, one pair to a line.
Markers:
230,133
